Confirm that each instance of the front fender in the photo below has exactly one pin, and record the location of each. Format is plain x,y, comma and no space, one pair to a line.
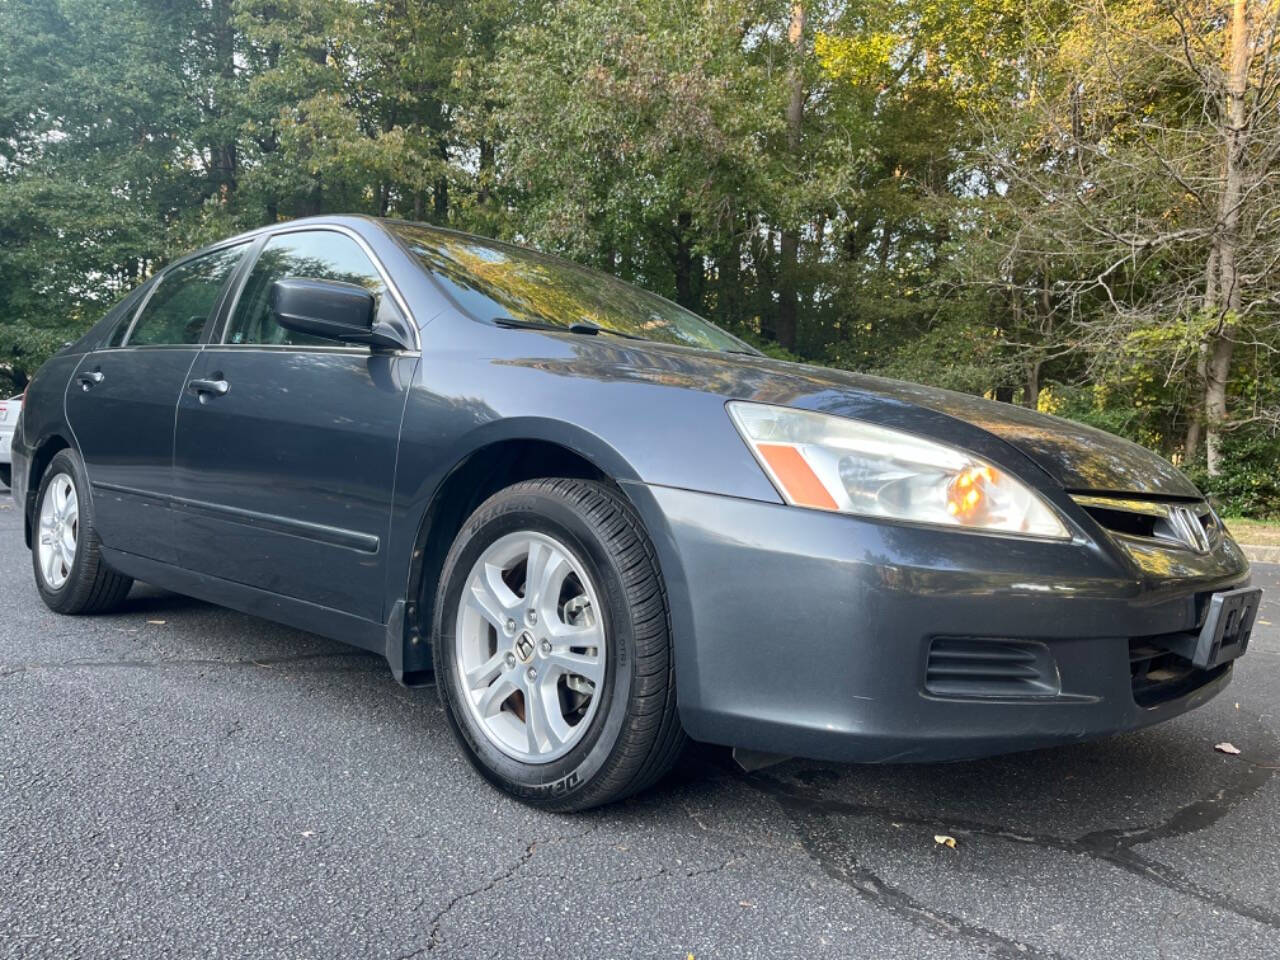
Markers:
638,431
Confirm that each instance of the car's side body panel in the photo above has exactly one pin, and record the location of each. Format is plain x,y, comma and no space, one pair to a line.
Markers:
123,425
312,617
285,482
43,425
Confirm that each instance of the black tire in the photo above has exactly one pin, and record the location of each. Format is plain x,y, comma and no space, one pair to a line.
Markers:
91,586
6,474
635,735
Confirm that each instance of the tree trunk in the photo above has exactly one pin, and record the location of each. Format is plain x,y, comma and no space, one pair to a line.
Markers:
440,193
1191,443
440,199
760,248
688,286
1195,412
788,307
315,197
485,177
1221,344
225,156
729,284
1215,401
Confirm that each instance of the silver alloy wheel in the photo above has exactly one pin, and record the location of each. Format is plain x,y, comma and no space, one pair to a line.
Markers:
529,646
59,530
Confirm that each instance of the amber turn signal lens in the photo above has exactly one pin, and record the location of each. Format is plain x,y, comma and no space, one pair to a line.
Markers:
967,493
796,476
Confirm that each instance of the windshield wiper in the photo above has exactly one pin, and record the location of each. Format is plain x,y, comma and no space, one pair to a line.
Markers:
592,329
585,329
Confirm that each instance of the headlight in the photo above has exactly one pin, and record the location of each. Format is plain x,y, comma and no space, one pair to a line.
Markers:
830,463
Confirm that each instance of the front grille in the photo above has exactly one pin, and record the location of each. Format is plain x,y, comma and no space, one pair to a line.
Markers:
1159,675
965,667
1152,519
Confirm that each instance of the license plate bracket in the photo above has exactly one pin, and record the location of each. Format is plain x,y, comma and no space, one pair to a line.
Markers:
1228,624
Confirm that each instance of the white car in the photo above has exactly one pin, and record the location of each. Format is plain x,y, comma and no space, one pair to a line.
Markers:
9,411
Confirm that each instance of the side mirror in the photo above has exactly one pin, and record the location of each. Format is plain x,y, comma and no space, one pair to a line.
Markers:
330,308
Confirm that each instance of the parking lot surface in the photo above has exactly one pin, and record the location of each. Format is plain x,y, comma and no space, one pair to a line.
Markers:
181,780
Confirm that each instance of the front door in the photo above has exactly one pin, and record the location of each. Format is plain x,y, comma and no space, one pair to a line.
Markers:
285,446
122,399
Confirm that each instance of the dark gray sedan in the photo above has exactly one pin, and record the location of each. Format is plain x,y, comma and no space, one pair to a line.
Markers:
606,523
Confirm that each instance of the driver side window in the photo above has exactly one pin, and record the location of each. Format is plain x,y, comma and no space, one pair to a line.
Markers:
315,255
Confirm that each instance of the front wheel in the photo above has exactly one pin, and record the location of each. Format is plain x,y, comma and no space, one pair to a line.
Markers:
70,573
552,646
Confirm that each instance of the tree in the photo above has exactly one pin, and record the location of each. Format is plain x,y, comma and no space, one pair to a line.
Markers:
1142,174
1069,204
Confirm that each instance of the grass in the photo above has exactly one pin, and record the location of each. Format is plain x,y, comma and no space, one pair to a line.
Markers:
1258,533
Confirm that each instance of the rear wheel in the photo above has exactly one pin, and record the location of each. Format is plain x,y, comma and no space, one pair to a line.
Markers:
6,474
70,572
552,646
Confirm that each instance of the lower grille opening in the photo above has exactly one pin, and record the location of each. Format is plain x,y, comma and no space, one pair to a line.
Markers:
1160,675
967,667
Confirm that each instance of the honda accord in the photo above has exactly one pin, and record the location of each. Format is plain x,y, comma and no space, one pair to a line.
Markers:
602,524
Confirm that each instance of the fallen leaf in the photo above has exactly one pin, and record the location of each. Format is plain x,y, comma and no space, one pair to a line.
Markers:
1230,748
158,623
943,839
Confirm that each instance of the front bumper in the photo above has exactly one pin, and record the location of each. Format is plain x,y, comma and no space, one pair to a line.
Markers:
806,633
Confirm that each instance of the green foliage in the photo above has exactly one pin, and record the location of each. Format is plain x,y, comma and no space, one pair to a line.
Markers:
1249,486
928,189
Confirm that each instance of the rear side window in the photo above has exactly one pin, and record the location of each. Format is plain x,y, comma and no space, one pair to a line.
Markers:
118,332
184,299
124,312
314,255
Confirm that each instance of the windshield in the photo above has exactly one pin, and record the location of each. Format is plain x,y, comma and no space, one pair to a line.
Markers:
494,281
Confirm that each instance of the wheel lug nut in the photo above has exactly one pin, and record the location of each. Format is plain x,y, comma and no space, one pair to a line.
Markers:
531,673
511,659
511,626
532,617
546,646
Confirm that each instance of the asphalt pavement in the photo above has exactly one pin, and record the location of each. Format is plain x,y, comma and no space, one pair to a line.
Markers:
179,780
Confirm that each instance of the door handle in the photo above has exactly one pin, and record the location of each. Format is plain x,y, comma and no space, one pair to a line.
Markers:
208,388
90,377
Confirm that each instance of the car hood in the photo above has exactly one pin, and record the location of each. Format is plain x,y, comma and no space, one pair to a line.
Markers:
1078,457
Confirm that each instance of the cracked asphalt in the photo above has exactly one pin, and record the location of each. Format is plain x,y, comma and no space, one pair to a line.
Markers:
181,780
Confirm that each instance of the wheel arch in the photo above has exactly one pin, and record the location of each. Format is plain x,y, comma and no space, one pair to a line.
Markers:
43,453
512,452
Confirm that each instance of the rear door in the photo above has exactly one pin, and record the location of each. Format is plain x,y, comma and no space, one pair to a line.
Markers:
285,472
122,398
